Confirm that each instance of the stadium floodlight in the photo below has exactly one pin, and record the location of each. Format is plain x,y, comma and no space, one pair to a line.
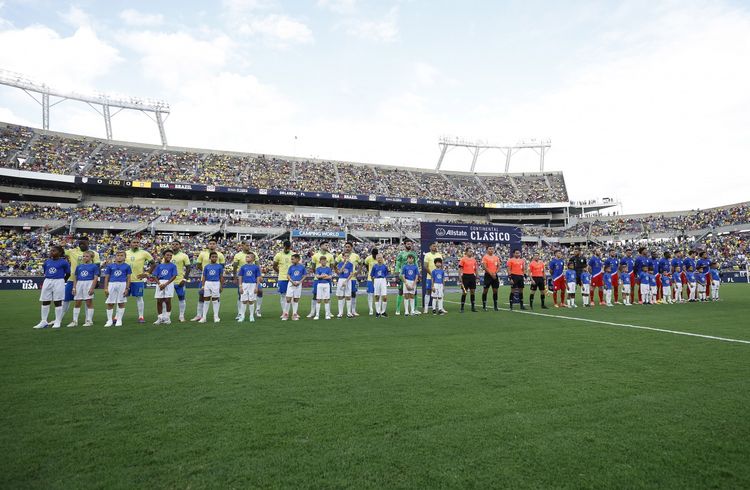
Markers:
447,143
158,108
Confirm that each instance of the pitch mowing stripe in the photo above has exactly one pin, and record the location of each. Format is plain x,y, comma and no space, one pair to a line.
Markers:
639,327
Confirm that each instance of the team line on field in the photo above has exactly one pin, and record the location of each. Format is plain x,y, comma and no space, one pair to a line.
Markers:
626,325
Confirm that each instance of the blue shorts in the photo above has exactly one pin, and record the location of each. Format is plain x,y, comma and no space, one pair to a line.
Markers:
428,285
136,289
69,294
179,291
370,287
354,287
282,285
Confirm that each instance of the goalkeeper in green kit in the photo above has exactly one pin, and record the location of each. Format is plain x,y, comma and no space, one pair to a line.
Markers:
401,259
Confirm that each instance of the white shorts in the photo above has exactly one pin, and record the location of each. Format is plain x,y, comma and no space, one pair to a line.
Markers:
571,287
666,291
645,289
53,290
677,287
212,289
691,286
715,284
293,291
167,292
585,288
249,291
82,290
323,292
381,286
116,293
701,288
437,291
343,288
410,287
625,289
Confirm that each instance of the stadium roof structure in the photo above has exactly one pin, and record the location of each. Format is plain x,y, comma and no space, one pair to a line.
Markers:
448,143
159,109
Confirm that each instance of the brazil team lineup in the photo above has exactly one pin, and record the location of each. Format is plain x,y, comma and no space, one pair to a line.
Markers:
73,275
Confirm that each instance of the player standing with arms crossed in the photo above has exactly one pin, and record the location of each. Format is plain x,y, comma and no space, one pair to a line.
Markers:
281,263
538,282
516,268
491,266
138,260
401,260
428,266
469,271
557,271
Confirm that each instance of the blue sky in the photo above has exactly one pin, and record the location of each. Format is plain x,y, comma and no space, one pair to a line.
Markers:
632,94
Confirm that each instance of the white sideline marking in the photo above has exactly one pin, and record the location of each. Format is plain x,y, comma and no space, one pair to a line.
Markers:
639,327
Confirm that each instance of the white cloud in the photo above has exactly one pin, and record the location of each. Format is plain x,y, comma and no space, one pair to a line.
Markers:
383,30
172,58
76,17
338,6
73,62
135,18
278,29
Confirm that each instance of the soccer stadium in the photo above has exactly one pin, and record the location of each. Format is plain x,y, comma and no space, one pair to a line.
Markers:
187,316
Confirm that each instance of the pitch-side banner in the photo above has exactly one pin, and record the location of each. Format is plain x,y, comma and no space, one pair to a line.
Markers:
319,234
445,232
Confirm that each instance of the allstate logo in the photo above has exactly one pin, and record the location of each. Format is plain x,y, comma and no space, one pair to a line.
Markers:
440,231
84,273
52,270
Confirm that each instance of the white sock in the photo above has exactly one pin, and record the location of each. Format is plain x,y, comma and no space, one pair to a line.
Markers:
328,309
295,306
252,310
183,306
120,313
348,306
45,313
215,303
354,304
440,304
58,314
282,300
242,309
285,308
167,313
413,305
313,302
89,314
383,306
369,301
379,306
66,306
140,305
239,305
204,313
199,309
258,302
317,310
76,312
341,307
110,312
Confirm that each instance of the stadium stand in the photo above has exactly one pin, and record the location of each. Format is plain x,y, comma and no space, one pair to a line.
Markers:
43,151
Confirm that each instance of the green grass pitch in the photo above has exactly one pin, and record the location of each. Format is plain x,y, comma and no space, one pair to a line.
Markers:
480,400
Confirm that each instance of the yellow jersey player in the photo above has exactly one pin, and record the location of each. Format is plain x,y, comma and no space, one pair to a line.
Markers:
349,255
370,261
281,263
138,260
204,258
182,261
429,266
75,257
315,260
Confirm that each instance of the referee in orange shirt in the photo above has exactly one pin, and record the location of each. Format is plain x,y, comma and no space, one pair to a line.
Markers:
468,268
490,264
536,267
516,268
